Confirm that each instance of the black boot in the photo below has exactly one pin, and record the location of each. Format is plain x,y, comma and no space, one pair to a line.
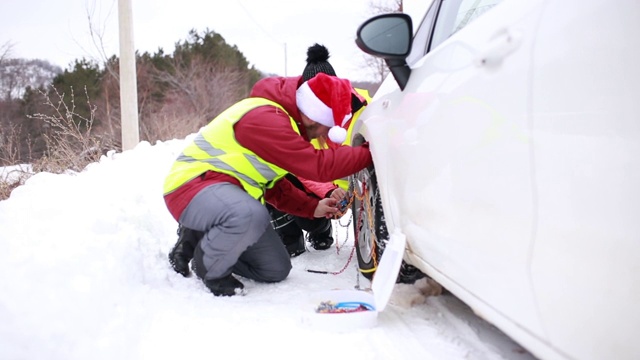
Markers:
226,286
288,230
321,239
182,251
294,244
409,274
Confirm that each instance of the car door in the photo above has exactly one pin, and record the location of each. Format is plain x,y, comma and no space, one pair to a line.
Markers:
587,140
458,178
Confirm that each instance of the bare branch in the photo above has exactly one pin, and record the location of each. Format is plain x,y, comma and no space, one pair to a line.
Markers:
70,142
377,66
5,51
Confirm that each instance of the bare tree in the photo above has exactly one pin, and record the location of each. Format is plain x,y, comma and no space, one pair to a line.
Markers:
5,51
18,74
97,26
10,144
378,66
71,143
389,6
196,93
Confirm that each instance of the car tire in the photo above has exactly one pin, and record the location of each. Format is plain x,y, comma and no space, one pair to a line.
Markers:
369,225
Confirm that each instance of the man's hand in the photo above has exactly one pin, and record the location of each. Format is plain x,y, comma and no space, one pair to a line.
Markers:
338,194
326,208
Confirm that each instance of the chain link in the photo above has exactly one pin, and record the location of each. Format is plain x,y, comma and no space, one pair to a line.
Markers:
352,194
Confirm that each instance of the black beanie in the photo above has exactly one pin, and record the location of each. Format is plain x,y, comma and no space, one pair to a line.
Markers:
317,56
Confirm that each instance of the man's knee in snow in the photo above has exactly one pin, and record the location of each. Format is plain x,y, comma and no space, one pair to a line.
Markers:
277,274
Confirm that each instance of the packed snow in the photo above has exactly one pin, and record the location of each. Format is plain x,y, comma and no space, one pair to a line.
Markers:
84,275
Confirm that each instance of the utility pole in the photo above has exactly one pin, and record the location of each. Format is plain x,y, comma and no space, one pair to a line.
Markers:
128,83
285,59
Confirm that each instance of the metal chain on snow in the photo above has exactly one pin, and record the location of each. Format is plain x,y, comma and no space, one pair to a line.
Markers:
369,209
344,206
357,286
353,250
372,225
338,218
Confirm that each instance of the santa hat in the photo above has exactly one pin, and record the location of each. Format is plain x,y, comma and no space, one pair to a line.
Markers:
327,100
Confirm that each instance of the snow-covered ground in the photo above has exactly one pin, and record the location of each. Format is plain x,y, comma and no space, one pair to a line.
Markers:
84,275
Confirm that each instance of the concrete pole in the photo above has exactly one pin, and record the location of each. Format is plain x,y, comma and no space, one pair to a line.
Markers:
285,59
128,83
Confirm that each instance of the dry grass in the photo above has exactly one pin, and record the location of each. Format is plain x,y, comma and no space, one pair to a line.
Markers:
194,95
70,143
11,179
12,176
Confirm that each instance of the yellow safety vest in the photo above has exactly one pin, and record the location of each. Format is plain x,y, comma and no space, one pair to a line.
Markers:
344,182
215,148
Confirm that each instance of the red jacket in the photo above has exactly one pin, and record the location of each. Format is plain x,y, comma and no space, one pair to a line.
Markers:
320,189
267,132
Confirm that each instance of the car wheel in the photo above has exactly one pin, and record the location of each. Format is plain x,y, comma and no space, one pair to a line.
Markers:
370,229
371,232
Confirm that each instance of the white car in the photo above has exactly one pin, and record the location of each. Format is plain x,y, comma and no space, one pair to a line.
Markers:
506,144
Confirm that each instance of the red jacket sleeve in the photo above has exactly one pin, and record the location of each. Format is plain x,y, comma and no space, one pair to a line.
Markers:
267,132
320,189
285,197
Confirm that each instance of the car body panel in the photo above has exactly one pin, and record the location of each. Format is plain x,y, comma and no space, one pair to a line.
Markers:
586,130
462,164
510,163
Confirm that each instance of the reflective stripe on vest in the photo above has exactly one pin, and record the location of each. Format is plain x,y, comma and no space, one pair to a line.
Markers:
215,148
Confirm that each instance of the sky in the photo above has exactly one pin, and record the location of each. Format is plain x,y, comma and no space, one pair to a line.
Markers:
272,34
84,275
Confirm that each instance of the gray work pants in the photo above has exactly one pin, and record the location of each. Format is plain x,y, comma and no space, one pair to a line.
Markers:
238,237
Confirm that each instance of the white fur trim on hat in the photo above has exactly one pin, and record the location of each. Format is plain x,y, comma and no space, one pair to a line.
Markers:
337,134
313,107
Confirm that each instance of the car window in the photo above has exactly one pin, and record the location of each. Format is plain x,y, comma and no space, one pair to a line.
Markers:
423,34
455,15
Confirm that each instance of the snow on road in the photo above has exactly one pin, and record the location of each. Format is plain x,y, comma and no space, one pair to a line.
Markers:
84,275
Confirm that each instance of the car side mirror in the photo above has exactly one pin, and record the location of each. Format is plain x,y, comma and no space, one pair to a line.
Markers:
389,36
